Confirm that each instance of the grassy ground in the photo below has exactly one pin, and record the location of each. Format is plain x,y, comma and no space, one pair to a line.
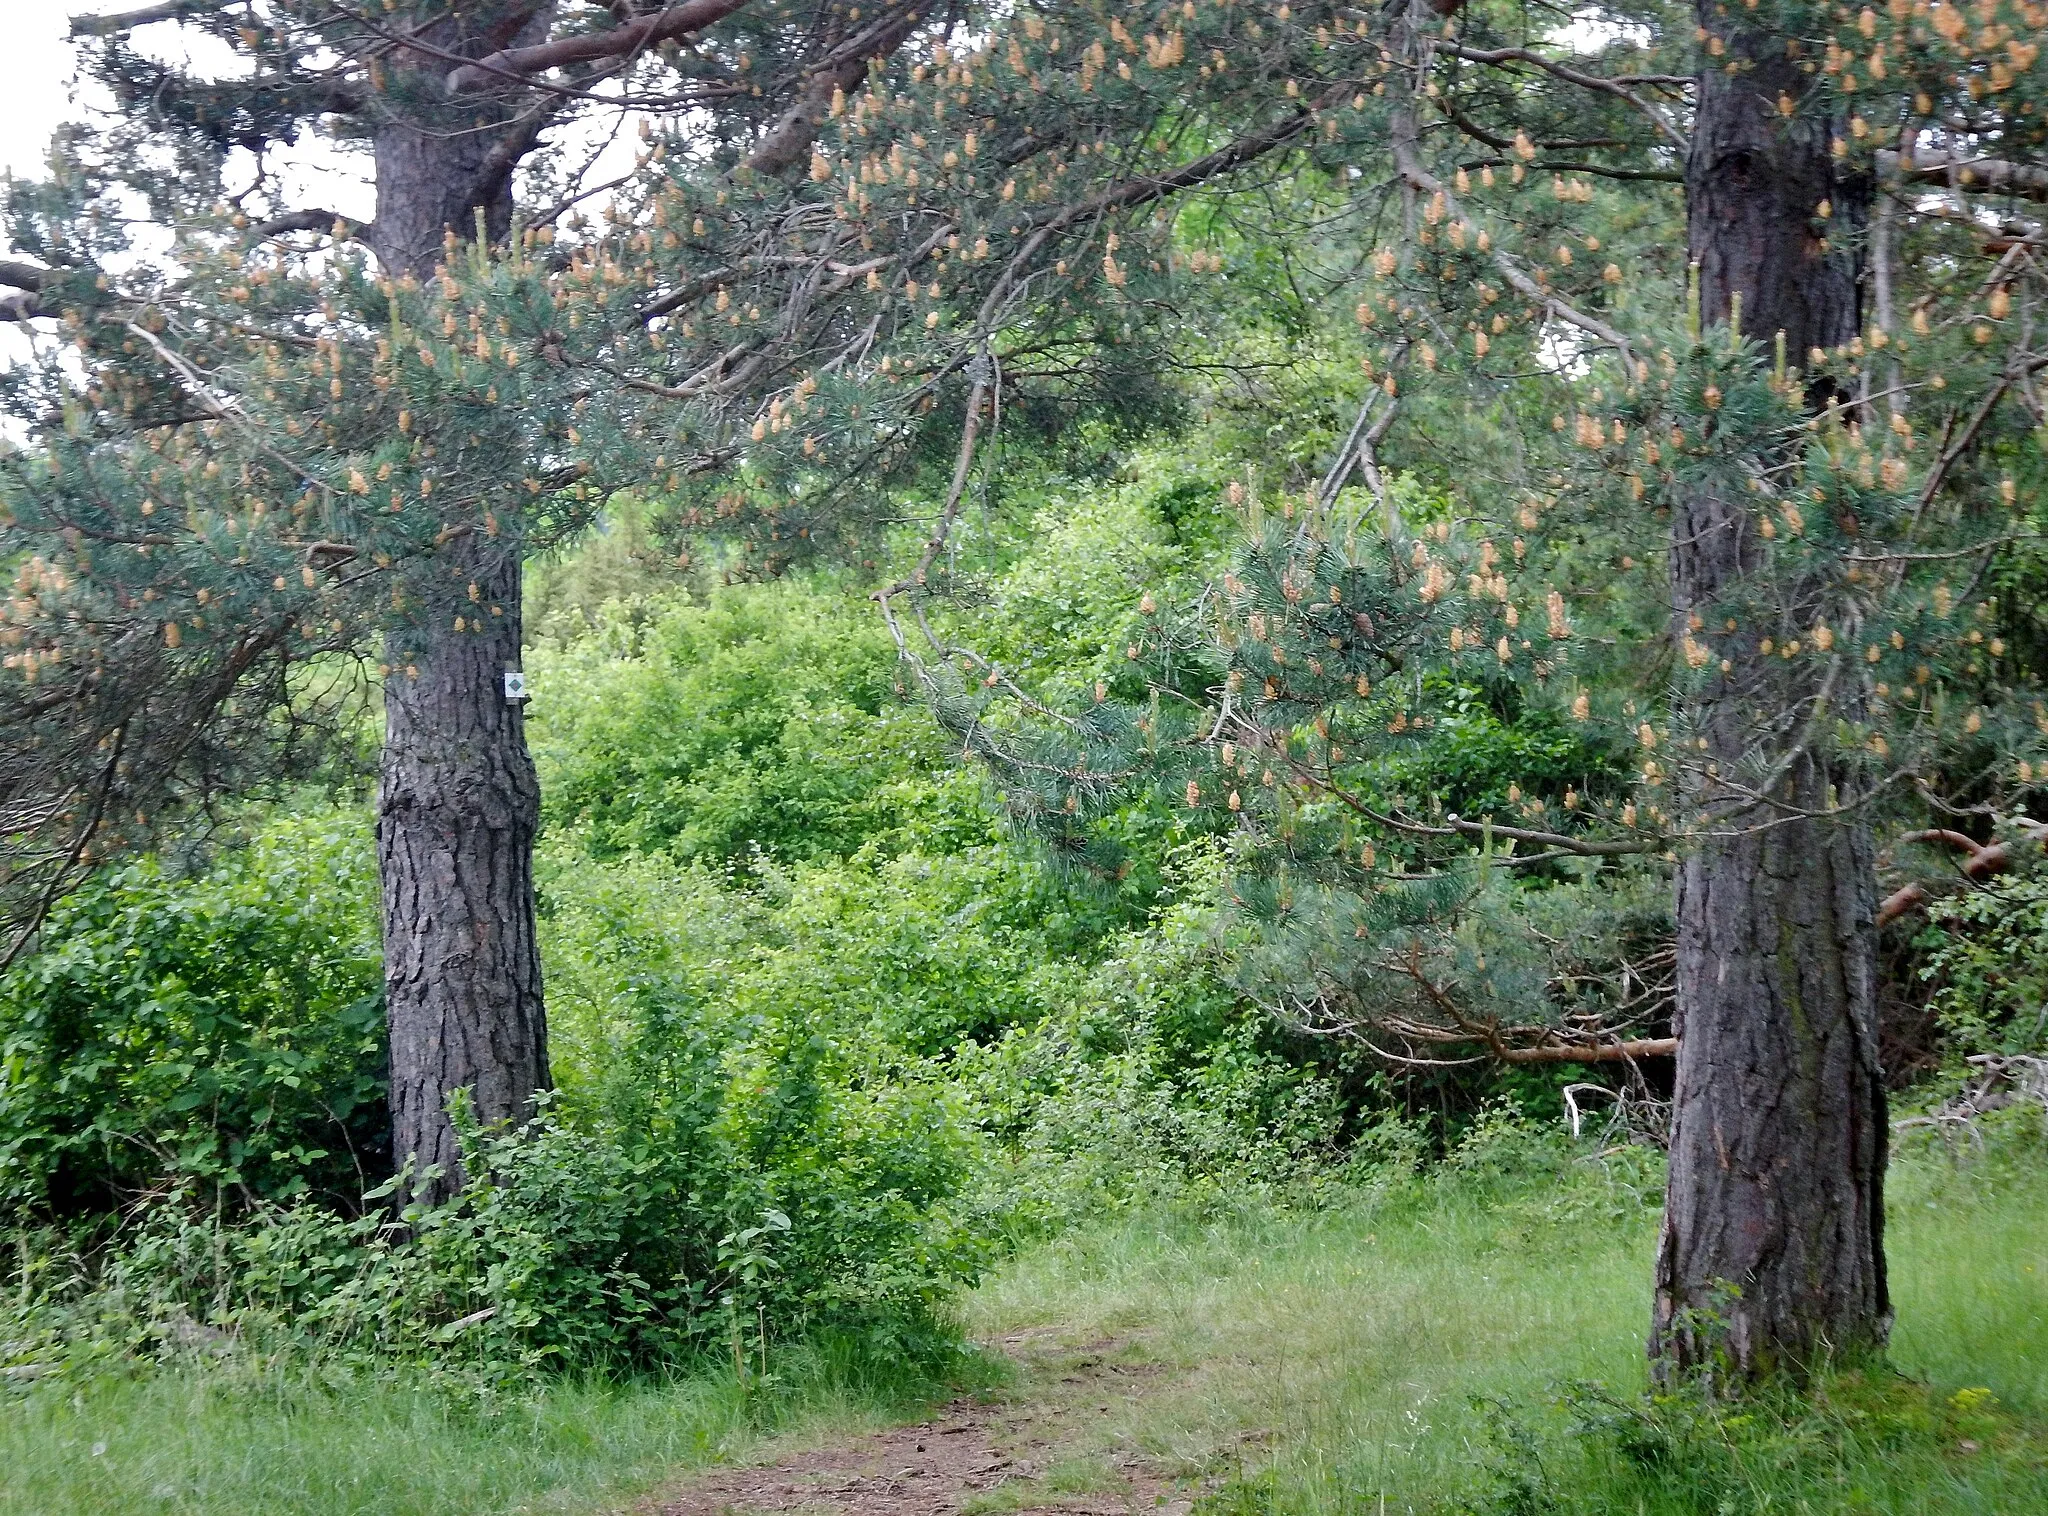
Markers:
1410,1353
286,1442
1315,1363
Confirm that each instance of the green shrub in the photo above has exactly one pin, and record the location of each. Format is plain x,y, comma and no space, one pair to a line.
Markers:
225,1032
762,719
584,1249
746,1132
1985,954
1153,1077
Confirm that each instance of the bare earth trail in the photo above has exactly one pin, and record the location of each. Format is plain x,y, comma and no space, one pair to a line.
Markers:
1045,1445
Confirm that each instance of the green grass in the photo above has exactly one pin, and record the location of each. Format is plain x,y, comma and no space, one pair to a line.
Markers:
1410,1353
1320,1363
288,1442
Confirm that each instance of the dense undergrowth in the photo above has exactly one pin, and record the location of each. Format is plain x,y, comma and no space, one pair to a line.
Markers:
1460,1337
827,1039
836,1052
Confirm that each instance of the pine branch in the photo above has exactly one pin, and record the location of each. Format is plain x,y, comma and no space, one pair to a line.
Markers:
1600,82
310,220
126,21
844,70
1502,143
1965,171
28,279
668,24
1598,170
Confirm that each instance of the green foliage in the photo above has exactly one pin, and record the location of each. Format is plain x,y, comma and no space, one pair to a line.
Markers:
1063,610
1314,1360
587,1248
736,1145
223,1033
1153,1077
825,1042
1487,749
763,718
1985,953
894,959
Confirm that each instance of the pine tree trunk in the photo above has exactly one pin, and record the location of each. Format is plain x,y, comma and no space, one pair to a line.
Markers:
458,803
1772,1247
457,810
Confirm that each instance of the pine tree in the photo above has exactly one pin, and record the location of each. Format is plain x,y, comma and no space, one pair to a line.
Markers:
1741,544
1739,394
291,446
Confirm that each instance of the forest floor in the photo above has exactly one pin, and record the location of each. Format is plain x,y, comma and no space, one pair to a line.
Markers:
1420,1350
1473,1346
1052,1440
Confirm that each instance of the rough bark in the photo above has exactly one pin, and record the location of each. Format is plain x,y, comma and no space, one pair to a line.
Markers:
459,802
1772,1247
440,161
458,807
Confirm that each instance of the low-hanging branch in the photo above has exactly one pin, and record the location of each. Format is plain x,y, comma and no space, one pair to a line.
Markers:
1449,1025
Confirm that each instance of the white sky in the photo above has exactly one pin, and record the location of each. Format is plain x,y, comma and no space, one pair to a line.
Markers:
39,68
39,91
34,74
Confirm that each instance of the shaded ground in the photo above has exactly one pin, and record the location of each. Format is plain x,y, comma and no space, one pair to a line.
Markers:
1040,1446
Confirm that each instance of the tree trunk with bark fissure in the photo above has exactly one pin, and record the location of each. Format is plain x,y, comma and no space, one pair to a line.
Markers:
1772,1246
458,802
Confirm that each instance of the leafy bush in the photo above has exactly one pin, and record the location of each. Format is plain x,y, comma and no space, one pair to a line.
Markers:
1064,609
224,1032
1985,954
747,1133
583,1249
1152,1076
764,718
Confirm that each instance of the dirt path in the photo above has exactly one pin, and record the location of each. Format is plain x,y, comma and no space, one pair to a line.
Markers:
1040,1447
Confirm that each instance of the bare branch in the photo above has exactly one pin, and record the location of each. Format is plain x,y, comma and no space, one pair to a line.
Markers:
1965,172
310,220
1497,55
125,21
1592,1052
956,494
1578,845
1358,449
30,280
2021,368
1980,862
667,24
